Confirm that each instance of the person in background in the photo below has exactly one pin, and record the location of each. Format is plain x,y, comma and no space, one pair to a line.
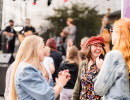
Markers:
48,61
105,24
27,30
83,48
49,64
29,79
113,80
9,34
84,87
107,39
71,63
61,48
55,55
69,32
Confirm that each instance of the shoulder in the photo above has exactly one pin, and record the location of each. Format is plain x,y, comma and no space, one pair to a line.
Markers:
48,58
84,62
115,56
7,27
28,69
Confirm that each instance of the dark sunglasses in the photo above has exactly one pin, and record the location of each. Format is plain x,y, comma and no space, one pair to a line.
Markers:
111,30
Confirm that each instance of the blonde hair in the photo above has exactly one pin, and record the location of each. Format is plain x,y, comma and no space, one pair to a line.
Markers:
70,20
123,42
27,50
47,49
73,54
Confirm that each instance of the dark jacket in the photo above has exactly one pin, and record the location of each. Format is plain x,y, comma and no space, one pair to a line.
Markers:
73,70
57,60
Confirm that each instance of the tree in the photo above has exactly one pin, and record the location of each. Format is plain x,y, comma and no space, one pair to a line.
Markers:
86,19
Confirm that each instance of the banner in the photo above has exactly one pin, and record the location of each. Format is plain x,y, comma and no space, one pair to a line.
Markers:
125,8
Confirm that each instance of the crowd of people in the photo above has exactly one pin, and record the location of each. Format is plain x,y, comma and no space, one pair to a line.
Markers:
9,35
42,71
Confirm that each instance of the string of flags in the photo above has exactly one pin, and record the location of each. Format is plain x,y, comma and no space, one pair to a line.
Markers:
49,2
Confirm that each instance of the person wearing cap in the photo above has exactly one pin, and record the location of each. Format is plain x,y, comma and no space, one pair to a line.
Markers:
84,87
113,82
9,35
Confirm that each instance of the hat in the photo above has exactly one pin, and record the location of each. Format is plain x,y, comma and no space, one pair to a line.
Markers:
94,40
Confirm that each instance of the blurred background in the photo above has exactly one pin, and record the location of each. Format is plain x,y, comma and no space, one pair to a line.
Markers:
48,18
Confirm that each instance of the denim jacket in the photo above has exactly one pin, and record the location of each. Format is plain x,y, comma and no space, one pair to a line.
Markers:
112,81
31,85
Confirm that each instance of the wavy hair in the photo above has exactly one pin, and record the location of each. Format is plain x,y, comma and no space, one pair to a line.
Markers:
123,41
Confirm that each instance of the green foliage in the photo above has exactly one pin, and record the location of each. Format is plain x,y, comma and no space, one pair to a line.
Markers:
86,19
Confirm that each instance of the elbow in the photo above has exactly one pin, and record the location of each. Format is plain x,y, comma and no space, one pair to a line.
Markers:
99,90
52,71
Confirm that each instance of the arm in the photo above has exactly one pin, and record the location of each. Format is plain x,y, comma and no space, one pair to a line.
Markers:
52,66
37,87
109,73
7,32
77,87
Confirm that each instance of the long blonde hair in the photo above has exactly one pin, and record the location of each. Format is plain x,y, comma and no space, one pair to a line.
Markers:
27,50
73,55
123,42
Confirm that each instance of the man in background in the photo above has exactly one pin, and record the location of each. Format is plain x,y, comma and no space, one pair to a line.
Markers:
27,30
69,32
9,35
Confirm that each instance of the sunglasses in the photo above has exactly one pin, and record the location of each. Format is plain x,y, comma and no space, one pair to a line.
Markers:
111,30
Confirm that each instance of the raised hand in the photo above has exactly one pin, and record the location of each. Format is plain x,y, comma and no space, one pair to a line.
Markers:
99,62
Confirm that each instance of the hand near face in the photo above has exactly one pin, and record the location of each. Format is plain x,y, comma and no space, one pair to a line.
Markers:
99,62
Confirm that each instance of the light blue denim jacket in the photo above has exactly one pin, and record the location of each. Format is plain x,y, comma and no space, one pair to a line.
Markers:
112,81
30,84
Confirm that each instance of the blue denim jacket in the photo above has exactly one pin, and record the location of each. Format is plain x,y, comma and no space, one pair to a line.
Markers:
30,84
112,81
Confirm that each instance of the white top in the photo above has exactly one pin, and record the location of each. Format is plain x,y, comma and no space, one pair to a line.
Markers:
47,61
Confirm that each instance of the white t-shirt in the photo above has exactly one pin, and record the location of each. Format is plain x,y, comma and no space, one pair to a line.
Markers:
47,61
